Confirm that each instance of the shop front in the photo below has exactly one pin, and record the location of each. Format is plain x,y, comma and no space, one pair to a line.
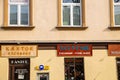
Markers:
59,62
18,60
19,69
74,65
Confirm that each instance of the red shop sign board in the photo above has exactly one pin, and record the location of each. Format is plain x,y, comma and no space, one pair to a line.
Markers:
114,50
74,50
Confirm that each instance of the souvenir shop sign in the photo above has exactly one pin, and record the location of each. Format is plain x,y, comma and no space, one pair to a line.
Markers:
74,50
114,50
19,50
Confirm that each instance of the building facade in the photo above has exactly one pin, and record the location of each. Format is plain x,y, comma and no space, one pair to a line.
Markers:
59,40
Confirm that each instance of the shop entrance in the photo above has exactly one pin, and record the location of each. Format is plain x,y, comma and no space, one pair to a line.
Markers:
19,69
43,76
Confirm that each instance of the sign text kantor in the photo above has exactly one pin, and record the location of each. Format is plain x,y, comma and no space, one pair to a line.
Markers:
18,50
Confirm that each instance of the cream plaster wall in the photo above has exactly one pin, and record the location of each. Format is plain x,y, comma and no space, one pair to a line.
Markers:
100,66
48,57
45,21
4,68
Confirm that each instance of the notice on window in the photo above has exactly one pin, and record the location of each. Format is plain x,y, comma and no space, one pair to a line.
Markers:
20,76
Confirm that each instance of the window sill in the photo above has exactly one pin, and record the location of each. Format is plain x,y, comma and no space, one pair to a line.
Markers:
114,28
18,27
70,28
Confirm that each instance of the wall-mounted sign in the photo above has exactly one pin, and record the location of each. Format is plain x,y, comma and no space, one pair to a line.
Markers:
42,67
74,50
19,50
114,50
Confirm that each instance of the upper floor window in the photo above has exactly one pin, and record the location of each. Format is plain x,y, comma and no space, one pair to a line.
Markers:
71,13
117,12
18,13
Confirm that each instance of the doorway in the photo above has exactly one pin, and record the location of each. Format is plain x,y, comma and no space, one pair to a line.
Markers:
42,76
19,69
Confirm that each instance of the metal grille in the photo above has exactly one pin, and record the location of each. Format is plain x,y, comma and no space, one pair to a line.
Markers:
74,69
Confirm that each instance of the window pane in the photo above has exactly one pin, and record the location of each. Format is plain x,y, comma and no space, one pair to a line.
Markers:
71,1
66,15
76,15
117,14
23,1
79,69
116,1
13,14
69,69
74,69
24,14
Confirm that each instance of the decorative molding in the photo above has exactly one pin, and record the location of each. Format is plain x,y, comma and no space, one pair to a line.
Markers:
70,28
18,27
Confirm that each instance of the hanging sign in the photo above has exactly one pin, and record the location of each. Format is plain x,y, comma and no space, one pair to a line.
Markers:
19,50
74,50
114,50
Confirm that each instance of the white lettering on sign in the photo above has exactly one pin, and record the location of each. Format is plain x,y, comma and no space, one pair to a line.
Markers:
19,62
115,52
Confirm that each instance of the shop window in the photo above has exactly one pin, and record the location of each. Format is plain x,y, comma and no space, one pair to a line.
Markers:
118,67
18,13
42,76
74,69
71,13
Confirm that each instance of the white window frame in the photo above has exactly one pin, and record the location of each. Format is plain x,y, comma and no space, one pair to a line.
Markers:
18,11
71,13
114,12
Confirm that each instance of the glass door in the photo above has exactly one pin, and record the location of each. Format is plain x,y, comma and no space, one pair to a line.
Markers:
19,69
43,76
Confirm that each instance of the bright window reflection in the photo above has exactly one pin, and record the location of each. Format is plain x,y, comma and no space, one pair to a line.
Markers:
71,1
19,1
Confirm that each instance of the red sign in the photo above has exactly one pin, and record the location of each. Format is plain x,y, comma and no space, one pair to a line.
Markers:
74,50
114,50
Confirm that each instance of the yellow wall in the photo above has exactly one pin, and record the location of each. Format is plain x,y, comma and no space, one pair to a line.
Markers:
100,66
48,57
4,68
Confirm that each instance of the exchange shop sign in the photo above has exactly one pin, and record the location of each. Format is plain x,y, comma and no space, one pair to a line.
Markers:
74,50
18,50
114,50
